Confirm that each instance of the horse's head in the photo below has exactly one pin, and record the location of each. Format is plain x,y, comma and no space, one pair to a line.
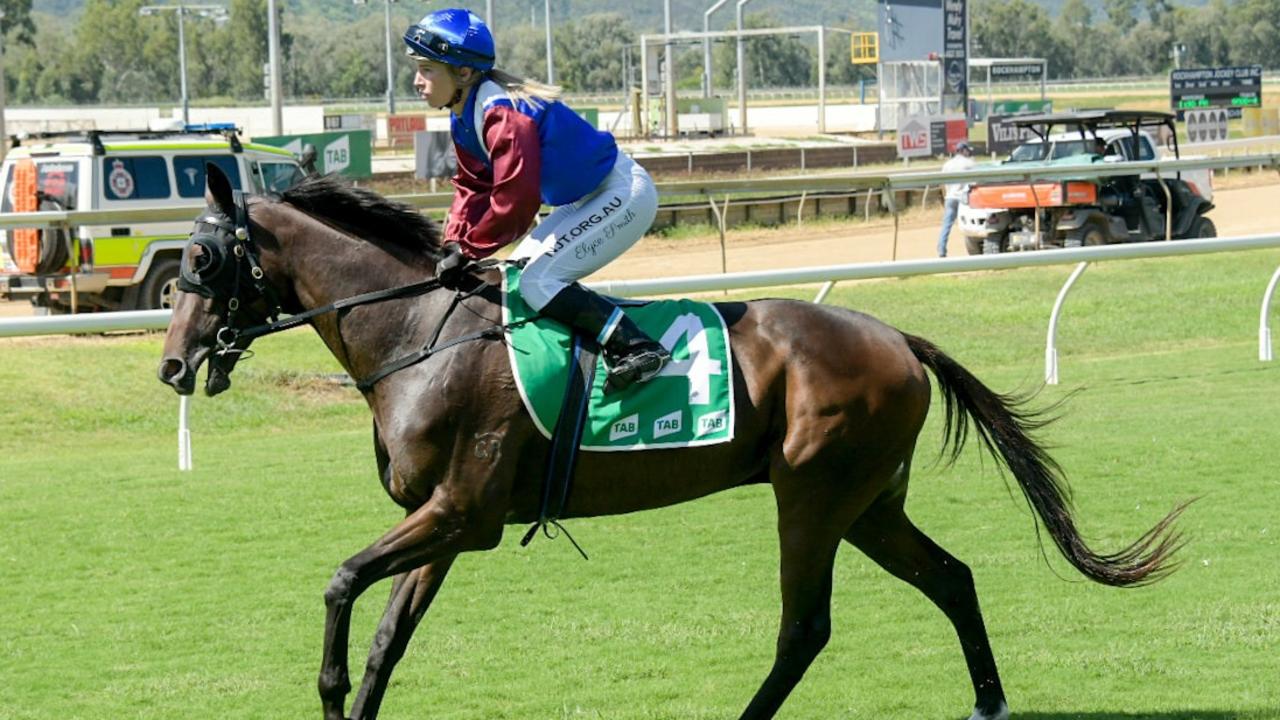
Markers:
222,290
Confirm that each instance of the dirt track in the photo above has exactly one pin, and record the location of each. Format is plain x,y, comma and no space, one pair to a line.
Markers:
1239,211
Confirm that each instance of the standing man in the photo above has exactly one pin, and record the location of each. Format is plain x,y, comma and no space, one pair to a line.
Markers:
961,160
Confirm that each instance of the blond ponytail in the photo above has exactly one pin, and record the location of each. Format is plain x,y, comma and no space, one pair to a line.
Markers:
519,88
530,91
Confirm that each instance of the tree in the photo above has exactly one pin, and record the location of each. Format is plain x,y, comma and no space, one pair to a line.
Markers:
1018,29
1205,33
1121,13
522,50
245,41
17,24
1072,31
1254,26
589,52
771,60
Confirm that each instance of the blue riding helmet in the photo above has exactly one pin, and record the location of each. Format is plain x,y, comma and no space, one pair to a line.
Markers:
454,37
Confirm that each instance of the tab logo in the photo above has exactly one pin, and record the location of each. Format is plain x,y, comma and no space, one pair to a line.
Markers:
337,154
626,427
712,422
667,425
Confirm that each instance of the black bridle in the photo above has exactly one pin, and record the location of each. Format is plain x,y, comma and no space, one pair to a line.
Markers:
221,262
227,268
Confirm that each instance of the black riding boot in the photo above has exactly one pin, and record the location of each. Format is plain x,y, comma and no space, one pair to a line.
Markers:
631,355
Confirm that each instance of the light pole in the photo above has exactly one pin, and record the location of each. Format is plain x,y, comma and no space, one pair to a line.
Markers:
4,139
216,12
391,68
546,19
273,69
706,47
742,76
673,128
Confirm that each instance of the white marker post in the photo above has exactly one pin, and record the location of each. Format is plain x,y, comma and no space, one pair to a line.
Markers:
184,432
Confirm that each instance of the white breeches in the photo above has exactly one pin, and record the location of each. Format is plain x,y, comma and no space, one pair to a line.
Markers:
577,239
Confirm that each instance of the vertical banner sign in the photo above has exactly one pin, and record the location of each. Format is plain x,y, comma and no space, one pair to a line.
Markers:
955,57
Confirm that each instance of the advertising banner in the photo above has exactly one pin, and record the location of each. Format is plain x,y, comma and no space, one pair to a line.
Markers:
929,135
955,56
349,153
913,136
401,128
1003,137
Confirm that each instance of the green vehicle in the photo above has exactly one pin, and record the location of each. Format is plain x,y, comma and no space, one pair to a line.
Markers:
122,265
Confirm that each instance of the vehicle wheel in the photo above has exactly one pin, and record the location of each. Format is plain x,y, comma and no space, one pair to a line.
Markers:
54,251
973,245
1203,228
993,245
1086,236
160,287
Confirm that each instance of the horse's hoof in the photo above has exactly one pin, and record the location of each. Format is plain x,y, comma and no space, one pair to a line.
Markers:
1000,713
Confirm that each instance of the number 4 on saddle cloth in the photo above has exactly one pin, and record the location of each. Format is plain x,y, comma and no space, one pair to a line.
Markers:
689,403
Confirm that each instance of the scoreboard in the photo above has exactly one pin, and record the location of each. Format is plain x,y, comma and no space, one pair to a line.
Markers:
1231,88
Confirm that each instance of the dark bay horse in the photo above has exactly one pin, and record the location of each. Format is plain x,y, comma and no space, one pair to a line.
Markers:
830,403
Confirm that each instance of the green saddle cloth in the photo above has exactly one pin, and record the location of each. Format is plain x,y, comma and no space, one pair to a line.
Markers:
690,403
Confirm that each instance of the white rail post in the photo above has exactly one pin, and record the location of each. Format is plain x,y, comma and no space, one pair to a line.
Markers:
824,291
1264,327
1051,346
184,432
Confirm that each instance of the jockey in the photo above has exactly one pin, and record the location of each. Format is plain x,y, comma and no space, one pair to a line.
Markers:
518,147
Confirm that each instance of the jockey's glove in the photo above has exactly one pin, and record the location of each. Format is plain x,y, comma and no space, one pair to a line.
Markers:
453,267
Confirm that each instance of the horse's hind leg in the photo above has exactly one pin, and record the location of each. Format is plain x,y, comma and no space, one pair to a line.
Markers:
411,595
813,513
887,536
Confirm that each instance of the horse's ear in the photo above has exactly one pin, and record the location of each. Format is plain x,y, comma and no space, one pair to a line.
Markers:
217,193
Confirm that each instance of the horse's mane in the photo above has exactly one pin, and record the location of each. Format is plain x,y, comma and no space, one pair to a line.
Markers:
364,213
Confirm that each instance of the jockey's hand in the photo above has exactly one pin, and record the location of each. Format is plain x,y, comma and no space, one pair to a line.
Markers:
452,268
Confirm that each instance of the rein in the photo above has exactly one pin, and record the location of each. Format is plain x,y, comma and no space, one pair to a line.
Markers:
244,253
228,336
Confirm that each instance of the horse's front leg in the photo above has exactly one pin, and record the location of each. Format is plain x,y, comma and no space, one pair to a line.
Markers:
439,529
410,597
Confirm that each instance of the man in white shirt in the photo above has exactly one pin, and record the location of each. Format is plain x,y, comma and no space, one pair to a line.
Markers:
960,161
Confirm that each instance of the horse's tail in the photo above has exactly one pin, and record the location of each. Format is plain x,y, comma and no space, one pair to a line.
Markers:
1004,423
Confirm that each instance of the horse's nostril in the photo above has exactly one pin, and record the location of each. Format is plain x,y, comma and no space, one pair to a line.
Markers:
172,370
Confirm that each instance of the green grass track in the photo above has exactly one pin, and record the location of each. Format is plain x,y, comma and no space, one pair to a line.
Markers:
131,591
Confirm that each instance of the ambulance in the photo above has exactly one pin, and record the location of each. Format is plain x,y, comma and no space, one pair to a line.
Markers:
130,261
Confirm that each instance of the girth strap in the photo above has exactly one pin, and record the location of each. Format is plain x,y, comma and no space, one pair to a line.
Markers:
566,439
